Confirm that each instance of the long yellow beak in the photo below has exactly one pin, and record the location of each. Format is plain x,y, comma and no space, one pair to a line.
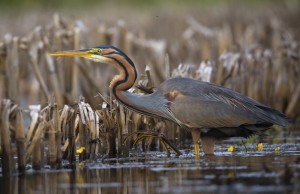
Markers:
72,53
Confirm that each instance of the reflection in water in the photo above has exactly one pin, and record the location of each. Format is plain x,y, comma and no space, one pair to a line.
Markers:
210,174
265,171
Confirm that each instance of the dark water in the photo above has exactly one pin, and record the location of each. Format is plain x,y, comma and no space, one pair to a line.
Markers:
266,171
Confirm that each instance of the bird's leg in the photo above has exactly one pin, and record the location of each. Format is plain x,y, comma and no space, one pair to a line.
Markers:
208,145
141,135
196,140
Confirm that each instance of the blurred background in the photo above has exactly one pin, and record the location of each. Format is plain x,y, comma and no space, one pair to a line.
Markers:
249,46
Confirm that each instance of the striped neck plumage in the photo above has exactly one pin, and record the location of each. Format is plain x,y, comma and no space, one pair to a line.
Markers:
127,72
124,81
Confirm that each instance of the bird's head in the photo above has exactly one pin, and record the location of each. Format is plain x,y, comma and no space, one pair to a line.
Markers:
106,54
97,54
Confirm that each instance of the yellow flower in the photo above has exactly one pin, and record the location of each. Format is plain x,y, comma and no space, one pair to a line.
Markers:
277,149
260,146
231,149
80,150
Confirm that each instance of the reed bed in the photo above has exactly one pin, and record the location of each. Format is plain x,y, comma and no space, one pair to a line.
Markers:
61,110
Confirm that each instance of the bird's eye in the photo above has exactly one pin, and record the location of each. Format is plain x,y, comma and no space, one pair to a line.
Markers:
96,51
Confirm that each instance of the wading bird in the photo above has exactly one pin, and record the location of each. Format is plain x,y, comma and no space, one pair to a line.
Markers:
211,112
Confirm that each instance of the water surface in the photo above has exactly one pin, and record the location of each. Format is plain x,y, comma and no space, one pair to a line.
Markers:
251,171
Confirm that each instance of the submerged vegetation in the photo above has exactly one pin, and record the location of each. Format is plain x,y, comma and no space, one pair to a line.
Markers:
56,110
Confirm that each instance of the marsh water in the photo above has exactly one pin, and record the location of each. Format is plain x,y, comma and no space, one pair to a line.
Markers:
274,169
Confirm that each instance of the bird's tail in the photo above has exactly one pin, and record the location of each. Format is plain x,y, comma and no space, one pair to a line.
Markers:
273,116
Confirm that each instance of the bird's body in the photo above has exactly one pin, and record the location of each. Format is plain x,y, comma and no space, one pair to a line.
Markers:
210,111
199,104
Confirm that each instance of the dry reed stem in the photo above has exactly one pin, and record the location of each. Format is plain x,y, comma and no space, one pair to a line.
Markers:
101,33
75,69
107,116
290,111
82,139
34,113
39,76
63,118
167,66
149,79
89,118
54,124
7,154
37,158
20,140
53,79
120,36
66,116
91,122
12,67
58,138
97,140
42,126
122,125
69,147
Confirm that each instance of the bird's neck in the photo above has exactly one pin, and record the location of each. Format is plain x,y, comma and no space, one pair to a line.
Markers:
154,104
124,81
127,74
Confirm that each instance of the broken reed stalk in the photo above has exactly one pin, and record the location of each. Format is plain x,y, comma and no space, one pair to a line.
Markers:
120,36
290,111
122,126
39,76
71,138
97,131
7,154
83,138
12,67
37,156
114,130
62,122
35,148
104,128
54,124
20,140
53,79
89,115
75,69
108,119
83,124
89,119
58,148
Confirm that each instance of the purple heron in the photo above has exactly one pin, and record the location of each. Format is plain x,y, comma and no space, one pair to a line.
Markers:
211,112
